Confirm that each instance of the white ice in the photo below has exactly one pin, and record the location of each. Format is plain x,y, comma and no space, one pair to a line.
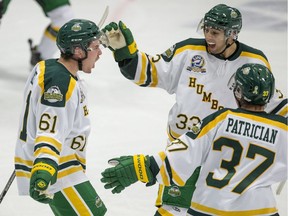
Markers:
126,119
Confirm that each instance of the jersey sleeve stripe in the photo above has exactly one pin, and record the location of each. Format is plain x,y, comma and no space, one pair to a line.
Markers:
53,142
280,110
143,71
46,152
22,161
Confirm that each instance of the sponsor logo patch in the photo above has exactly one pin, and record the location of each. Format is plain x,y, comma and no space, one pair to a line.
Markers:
197,64
53,94
174,191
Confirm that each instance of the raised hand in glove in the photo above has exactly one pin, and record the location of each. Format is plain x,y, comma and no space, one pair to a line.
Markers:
121,41
126,171
43,173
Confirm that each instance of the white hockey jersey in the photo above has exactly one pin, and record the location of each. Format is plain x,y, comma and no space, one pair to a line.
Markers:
198,80
54,124
241,155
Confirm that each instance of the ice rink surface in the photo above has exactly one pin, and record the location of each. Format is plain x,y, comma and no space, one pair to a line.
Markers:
126,119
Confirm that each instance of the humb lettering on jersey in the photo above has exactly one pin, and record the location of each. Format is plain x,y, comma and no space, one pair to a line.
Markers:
207,96
248,129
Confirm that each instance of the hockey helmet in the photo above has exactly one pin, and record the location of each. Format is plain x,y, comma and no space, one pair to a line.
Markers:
223,17
78,33
254,83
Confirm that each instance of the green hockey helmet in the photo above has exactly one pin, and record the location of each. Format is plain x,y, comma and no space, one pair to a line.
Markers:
254,83
223,17
78,33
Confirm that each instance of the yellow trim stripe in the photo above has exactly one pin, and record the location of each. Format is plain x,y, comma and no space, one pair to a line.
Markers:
222,116
190,47
25,162
140,168
132,48
160,195
66,158
69,171
171,134
72,157
77,202
203,48
209,210
23,174
50,140
177,178
71,87
264,120
252,55
162,169
41,76
82,160
283,112
212,124
143,71
154,75
45,150
51,36
164,212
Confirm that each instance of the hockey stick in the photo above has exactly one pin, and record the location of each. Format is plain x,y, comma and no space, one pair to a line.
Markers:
280,187
8,184
104,16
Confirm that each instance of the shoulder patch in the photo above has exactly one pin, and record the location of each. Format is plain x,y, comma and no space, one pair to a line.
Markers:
53,94
58,85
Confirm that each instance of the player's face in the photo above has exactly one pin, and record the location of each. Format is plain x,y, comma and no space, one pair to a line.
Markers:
93,54
215,39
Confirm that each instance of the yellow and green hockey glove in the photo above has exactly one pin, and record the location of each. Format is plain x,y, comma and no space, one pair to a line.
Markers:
43,173
126,171
121,41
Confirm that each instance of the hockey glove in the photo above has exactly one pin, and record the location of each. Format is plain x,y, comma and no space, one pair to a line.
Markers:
43,173
121,41
126,171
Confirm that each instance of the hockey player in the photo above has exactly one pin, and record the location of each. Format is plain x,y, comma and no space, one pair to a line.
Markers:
196,71
50,155
242,152
59,12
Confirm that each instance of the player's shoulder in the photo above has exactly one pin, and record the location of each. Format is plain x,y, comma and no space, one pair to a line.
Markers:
265,117
249,49
56,82
55,73
192,42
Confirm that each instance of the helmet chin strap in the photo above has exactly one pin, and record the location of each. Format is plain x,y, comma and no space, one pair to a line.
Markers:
79,61
80,64
226,47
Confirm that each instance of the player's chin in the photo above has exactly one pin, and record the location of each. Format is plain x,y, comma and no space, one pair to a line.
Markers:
88,70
